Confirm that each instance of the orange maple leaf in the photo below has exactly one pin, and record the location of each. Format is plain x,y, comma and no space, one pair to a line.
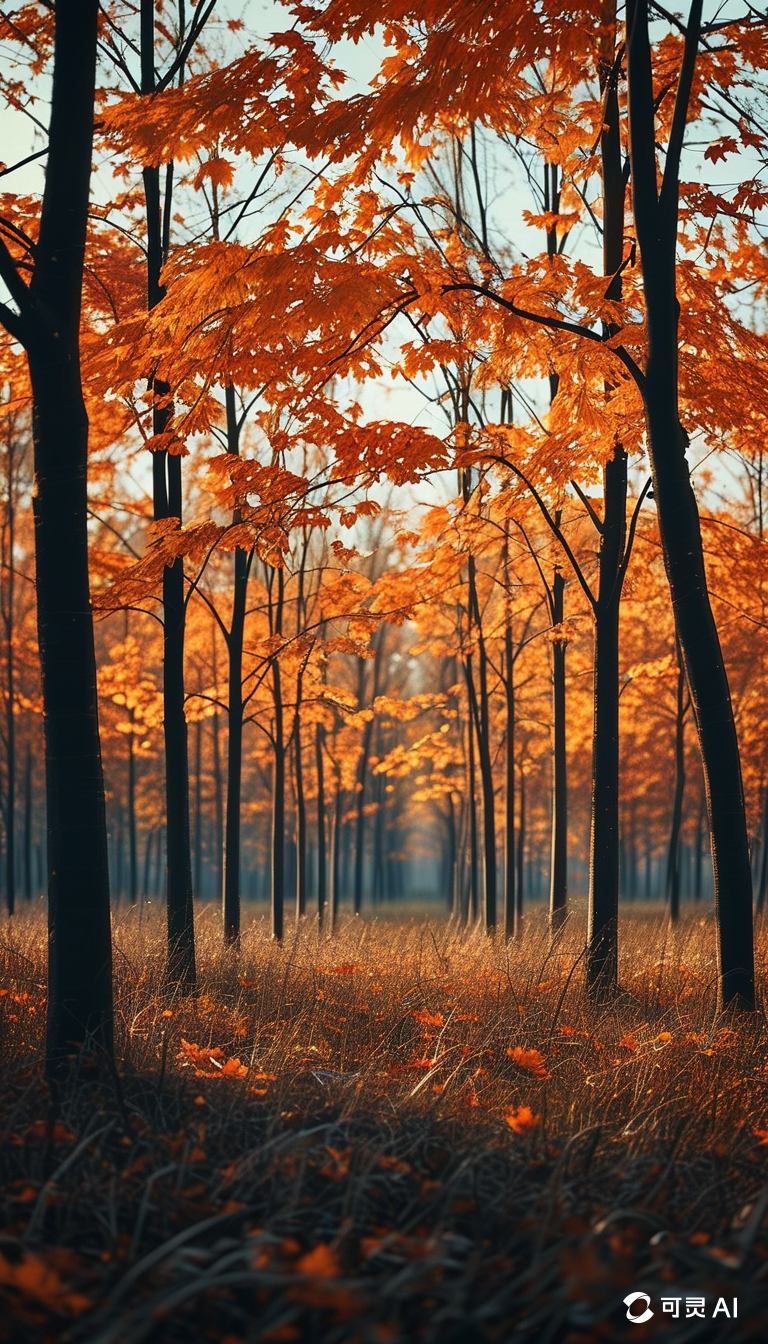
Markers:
522,1119
322,1262
531,1061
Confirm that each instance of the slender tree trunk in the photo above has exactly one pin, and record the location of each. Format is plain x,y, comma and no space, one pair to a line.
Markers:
322,896
28,825
762,885
336,854
117,856
673,853
133,875
362,770
80,957
278,795
180,970
558,870
603,916
451,885
602,935
10,691
218,801
509,858
145,887
480,716
520,879
656,218
301,811
473,903
231,851
198,870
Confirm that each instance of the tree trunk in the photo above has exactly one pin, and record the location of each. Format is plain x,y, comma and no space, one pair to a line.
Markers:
362,769
218,801
480,716
10,688
509,856
520,879
180,971
673,853
28,825
133,874
602,934
656,218
278,794
603,916
472,902
80,956
231,853
558,870
762,885
322,895
198,869
336,853
301,810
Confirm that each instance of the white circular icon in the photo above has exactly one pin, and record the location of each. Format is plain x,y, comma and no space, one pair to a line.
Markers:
644,1315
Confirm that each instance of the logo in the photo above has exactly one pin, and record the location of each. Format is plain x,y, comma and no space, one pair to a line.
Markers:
635,1317
671,1306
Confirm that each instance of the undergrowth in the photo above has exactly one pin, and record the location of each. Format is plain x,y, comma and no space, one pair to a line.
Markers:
404,1132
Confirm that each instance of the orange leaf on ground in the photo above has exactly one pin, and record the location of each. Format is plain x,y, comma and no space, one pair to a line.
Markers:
522,1119
529,1060
321,1261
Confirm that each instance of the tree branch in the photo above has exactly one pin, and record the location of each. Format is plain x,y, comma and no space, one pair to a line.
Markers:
558,324
670,186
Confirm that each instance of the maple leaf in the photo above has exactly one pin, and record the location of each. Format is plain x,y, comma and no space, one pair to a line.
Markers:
522,1119
530,1061
322,1262
721,148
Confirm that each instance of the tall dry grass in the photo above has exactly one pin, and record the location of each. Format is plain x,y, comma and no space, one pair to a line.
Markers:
403,1132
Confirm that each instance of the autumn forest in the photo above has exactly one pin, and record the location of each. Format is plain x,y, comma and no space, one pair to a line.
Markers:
383,634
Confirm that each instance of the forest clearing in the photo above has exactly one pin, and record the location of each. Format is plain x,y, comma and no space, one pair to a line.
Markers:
398,1133
383,671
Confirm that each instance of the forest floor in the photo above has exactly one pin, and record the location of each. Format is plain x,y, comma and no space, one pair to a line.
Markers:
400,1133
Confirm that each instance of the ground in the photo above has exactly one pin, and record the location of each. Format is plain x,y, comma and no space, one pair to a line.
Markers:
403,1132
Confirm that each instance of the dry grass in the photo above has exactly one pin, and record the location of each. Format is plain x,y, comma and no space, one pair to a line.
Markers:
402,1133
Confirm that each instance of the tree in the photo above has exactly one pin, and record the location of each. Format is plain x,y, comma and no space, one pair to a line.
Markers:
655,211
45,319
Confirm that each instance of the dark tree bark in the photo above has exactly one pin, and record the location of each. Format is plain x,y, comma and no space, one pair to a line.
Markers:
133,863
520,847
762,882
362,767
301,807
198,843
604,868
47,323
8,616
180,972
322,889
673,852
301,802
278,781
234,640
480,720
336,842
558,868
509,856
656,218
218,801
473,893
28,825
